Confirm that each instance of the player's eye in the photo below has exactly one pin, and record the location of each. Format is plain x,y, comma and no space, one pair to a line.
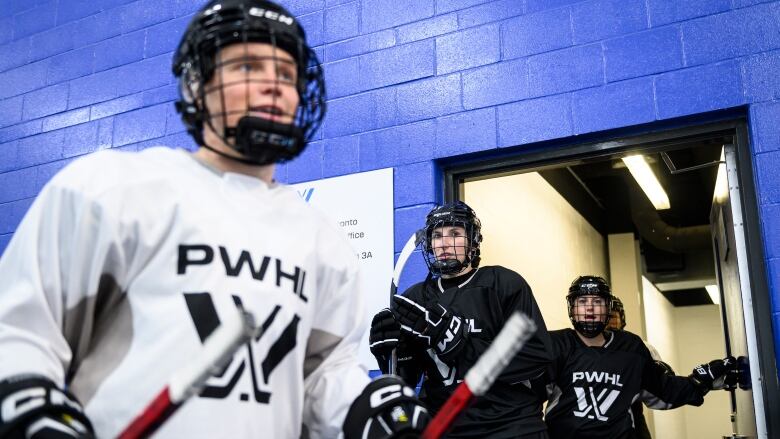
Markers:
287,74
244,66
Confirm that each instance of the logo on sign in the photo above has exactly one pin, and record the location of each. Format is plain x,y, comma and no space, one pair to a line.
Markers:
306,193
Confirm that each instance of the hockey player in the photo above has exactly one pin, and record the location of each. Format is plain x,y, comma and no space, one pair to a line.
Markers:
126,262
442,325
598,374
617,314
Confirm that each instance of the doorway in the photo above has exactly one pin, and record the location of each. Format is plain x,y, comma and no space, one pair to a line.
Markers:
690,273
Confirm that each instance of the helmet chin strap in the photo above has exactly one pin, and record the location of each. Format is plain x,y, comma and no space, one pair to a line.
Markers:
448,266
259,141
231,157
590,329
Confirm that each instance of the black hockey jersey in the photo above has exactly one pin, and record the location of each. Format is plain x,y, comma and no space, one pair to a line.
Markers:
485,299
595,386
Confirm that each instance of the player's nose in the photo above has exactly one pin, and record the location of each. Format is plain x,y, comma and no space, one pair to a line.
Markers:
269,85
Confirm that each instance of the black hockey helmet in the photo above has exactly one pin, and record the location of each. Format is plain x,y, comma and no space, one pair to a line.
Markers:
589,286
224,22
457,214
617,306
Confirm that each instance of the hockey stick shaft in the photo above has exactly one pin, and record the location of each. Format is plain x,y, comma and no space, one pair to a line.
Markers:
517,330
217,351
409,247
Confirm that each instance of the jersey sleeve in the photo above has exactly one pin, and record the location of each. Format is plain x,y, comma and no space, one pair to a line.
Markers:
663,391
653,351
54,260
559,352
333,374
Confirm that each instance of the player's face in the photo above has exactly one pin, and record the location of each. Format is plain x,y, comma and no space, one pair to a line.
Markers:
615,322
449,242
590,308
253,79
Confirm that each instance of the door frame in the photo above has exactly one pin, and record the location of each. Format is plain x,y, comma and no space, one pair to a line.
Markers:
653,138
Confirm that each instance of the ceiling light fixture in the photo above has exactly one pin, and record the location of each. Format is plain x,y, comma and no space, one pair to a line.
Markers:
721,181
647,181
712,290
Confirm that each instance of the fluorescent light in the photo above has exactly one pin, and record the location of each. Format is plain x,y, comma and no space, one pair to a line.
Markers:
712,290
647,181
721,183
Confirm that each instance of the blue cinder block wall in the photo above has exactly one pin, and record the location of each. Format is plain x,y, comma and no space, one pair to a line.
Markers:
410,81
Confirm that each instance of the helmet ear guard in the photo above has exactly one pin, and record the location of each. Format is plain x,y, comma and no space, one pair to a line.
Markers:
222,23
589,286
190,113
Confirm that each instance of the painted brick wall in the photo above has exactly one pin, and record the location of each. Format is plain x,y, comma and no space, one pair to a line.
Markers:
410,81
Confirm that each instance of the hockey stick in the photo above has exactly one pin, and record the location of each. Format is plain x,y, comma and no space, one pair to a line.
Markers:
409,247
517,330
218,350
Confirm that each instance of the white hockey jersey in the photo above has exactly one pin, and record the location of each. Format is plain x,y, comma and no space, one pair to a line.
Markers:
124,264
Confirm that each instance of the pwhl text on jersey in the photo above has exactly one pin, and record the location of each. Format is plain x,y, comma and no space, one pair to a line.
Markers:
203,254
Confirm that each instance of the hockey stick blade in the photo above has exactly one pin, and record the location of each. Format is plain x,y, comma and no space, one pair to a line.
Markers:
218,350
409,247
517,330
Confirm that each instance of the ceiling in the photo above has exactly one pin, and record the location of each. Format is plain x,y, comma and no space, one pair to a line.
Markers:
675,243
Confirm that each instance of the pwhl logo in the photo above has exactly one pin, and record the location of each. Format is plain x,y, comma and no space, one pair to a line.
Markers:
222,383
594,401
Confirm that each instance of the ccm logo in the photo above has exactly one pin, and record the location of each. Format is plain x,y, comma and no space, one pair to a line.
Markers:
24,400
450,334
271,15
388,393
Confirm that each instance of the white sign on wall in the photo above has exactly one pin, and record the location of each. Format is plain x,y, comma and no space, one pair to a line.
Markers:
362,204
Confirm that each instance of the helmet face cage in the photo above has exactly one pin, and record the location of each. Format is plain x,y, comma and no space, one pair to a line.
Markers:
199,65
456,214
591,286
617,306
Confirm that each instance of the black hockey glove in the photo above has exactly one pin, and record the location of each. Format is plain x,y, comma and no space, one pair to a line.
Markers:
435,326
713,375
34,408
384,336
386,409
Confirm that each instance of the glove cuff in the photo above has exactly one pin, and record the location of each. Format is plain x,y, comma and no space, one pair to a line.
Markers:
702,386
27,397
387,408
